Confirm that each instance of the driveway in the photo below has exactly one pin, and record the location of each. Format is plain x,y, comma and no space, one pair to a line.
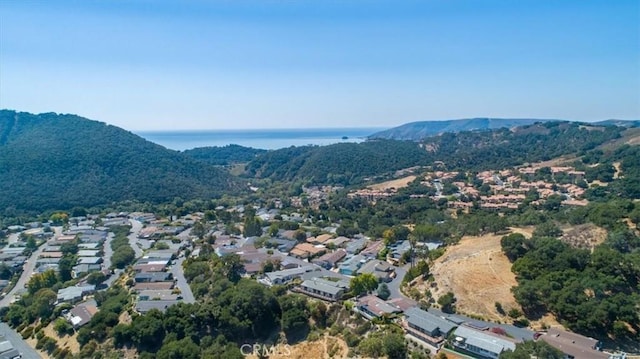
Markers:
18,343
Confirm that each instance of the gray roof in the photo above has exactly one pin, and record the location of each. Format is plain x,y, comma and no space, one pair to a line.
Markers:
427,321
272,276
482,340
323,285
162,305
5,346
73,292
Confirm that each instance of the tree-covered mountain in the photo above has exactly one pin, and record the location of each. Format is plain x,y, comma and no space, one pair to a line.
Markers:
224,155
470,150
342,163
54,161
415,131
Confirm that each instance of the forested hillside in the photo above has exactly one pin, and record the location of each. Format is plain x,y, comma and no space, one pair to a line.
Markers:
224,155
471,150
342,163
51,161
416,131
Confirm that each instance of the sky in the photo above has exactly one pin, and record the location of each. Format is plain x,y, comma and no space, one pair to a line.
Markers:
241,64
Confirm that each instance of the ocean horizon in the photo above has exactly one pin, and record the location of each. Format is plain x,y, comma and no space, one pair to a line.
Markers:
268,139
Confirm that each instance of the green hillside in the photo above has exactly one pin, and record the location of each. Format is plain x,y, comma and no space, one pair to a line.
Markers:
415,131
342,163
351,163
224,155
52,161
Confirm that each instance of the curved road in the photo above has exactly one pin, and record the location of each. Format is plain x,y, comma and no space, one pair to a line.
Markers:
27,271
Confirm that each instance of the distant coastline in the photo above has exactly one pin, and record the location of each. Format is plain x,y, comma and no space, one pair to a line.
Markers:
268,139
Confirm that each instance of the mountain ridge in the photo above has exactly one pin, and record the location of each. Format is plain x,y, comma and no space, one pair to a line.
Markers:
415,131
58,161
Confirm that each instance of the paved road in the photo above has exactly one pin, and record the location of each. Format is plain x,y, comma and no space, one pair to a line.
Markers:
181,281
18,343
394,285
108,252
136,226
27,271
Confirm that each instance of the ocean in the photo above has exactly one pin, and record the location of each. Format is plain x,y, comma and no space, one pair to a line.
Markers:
270,139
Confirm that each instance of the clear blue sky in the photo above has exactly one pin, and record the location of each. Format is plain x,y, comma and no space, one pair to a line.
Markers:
191,64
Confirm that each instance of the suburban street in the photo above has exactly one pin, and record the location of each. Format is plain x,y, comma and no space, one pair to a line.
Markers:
136,226
27,271
394,285
18,343
181,282
108,252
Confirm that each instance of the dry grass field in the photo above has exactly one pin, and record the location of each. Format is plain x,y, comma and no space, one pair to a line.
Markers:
396,183
479,274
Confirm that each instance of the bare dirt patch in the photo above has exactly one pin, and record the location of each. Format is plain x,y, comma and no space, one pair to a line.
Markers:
68,341
479,274
393,184
586,236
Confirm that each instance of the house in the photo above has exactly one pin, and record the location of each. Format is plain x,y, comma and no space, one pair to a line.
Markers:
426,326
383,271
88,253
282,244
7,351
574,346
351,265
153,277
372,249
321,239
371,307
139,287
144,306
81,314
163,294
81,269
356,245
306,250
325,289
74,293
89,245
330,260
150,267
286,275
89,260
480,344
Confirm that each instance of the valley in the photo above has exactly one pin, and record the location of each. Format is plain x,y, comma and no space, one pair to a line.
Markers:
377,249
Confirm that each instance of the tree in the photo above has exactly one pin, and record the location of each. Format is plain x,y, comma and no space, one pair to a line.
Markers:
395,346
447,302
199,229
183,349
65,267
96,278
123,256
233,266
513,246
383,291
363,283
62,327
533,349
547,229
46,279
